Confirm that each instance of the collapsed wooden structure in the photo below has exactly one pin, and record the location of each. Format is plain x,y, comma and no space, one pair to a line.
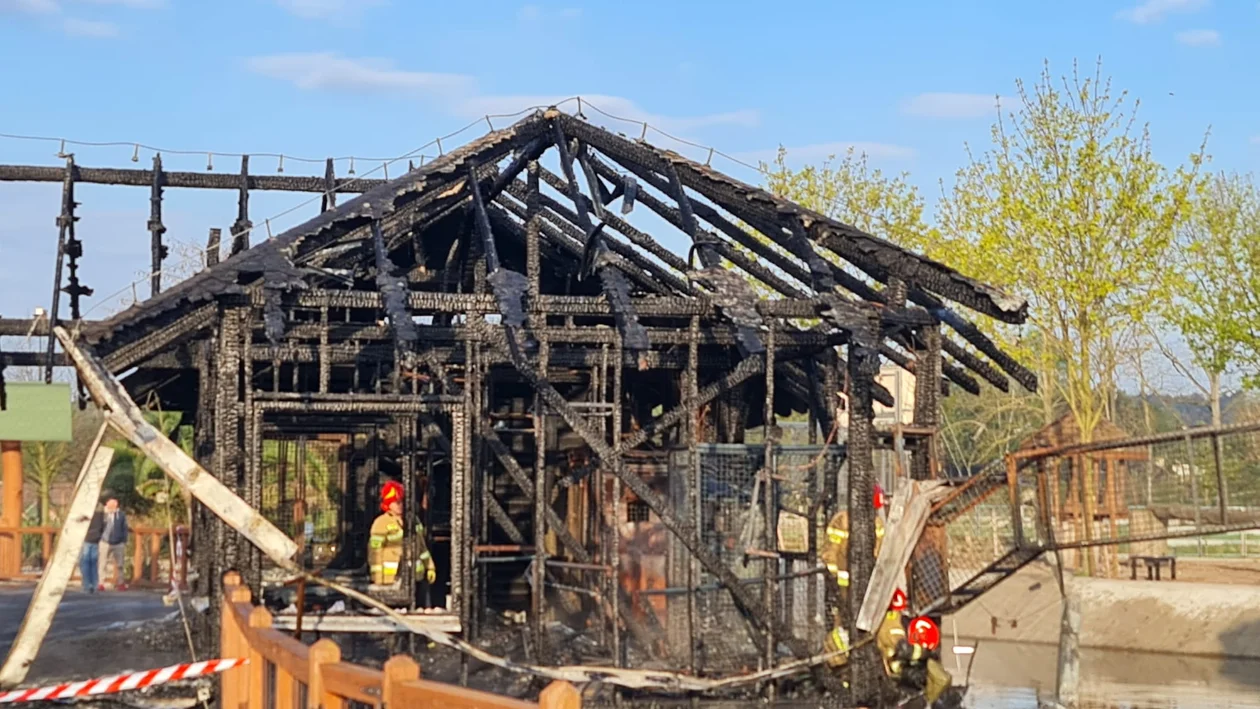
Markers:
499,336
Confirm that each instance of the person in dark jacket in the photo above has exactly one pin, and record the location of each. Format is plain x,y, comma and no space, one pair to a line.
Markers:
90,557
113,544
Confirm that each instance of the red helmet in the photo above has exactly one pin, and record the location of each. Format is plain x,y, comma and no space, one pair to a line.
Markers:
879,497
924,633
391,492
900,603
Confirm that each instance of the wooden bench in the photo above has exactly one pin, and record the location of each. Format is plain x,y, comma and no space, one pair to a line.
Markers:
1153,566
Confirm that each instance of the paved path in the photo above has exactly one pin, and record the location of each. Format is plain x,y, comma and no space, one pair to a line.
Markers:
79,612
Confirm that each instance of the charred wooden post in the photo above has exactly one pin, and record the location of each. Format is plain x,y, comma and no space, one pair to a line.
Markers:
213,246
694,488
227,427
242,226
614,552
157,249
510,287
65,227
927,391
863,367
325,356
329,199
769,570
533,227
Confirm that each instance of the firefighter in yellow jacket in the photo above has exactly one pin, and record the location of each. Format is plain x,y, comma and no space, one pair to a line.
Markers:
835,555
910,650
385,545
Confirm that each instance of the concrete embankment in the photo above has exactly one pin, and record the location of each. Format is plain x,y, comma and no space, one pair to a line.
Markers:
1201,619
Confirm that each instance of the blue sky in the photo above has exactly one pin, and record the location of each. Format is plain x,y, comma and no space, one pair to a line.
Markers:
908,82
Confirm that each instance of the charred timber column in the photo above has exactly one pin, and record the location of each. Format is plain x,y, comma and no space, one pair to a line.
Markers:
158,251
770,566
541,495
11,511
863,366
927,391
242,225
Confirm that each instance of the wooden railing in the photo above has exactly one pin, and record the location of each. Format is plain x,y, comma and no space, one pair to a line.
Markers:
284,673
144,544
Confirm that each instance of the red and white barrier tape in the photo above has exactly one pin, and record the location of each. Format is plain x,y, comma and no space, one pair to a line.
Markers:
120,683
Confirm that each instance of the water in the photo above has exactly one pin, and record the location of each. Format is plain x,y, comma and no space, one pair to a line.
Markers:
1013,676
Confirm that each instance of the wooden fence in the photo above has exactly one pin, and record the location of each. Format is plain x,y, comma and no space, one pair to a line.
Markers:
149,556
284,673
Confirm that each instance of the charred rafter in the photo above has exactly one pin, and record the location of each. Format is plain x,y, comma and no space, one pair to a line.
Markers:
744,200
393,290
509,287
616,289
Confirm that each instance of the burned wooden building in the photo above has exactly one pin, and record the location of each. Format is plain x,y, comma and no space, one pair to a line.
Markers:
584,420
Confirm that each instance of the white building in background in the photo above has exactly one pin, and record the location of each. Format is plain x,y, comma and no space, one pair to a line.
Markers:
901,384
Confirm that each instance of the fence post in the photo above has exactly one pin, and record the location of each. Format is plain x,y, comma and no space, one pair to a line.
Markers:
137,559
395,671
259,619
560,695
155,556
230,641
323,652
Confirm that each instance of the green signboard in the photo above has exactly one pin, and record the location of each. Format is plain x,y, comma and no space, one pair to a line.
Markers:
35,412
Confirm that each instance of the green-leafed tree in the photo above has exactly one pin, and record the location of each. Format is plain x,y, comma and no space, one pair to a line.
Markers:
140,484
1070,208
1213,301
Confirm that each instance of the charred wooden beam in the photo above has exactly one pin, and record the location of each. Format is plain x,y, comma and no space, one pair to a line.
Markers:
242,225
213,245
329,199
674,217
742,199
501,517
509,287
927,410
975,364
393,289
189,180
521,161
157,249
863,367
358,213
616,289
972,334
533,229
122,355
65,223
568,239
748,368
569,222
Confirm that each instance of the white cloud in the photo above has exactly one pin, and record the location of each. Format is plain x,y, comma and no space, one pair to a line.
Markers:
952,105
1154,10
818,152
328,71
1255,140
458,94
325,9
1199,38
89,28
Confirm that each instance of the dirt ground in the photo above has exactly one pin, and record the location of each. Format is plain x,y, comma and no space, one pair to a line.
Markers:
1227,571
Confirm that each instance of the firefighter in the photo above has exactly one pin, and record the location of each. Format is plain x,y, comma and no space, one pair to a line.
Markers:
385,545
911,654
835,551
835,554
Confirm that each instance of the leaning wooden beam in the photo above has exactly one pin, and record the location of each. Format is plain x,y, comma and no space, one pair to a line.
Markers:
127,418
894,554
56,576
617,290
191,180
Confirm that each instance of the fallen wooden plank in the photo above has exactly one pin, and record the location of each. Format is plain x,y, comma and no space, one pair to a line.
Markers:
912,511
52,585
443,622
127,418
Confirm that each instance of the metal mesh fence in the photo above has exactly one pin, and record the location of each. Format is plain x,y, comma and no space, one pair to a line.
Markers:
1161,496
302,486
729,497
